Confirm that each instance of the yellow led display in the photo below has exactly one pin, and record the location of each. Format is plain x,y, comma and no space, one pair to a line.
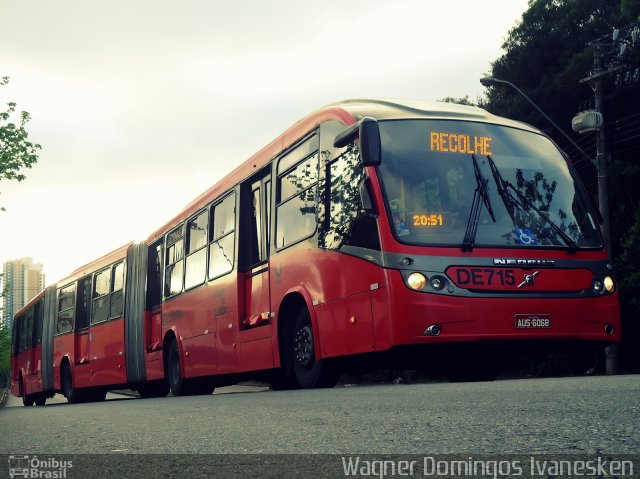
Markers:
427,220
466,144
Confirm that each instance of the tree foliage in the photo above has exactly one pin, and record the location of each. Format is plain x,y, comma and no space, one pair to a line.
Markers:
5,348
546,55
16,151
460,101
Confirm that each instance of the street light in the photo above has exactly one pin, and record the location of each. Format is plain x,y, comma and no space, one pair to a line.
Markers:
611,352
600,163
488,81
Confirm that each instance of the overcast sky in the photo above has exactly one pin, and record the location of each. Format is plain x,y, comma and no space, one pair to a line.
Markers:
142,105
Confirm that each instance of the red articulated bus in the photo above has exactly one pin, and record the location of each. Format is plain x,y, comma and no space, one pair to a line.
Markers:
370,229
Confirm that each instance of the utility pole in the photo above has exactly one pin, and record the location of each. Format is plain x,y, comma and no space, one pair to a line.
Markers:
614,47
610,352
595,81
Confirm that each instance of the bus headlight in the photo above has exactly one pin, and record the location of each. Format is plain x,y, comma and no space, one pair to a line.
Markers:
417,281
609,286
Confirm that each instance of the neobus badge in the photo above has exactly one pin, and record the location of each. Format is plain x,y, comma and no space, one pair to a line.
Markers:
523,262
466,144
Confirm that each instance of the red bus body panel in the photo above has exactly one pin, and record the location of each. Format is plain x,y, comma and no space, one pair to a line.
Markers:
231,324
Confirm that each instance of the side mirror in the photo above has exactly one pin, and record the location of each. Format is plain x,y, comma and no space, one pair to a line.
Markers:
369,133
370,147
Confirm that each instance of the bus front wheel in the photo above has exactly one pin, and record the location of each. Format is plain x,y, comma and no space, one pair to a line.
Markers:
309,372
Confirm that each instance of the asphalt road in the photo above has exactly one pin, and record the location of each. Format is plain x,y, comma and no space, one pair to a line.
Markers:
566,415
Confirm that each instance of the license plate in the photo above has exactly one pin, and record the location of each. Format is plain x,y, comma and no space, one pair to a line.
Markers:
533,321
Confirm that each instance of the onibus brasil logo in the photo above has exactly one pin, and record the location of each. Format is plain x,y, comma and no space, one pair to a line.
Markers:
35,467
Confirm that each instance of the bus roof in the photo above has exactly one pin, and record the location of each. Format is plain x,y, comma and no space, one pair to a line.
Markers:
107,259
30,304
349,112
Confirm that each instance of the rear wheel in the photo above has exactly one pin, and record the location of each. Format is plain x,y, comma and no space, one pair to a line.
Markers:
40,399
153,389
27,399
95,396
200,387
72,394
309,372
174,374
179,385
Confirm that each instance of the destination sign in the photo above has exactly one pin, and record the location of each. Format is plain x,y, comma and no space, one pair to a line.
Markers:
465,144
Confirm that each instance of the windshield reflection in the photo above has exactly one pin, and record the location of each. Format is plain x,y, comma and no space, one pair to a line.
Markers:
430,186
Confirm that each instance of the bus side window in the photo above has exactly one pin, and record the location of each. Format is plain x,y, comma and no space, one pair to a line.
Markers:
83,303
20,334
174,262
196,261
117,285
66,303
297,185
28,329
16,335
37,321
222,246
154,274
347,222
101,285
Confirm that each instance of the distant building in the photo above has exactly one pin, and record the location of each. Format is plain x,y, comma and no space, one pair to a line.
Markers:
22,279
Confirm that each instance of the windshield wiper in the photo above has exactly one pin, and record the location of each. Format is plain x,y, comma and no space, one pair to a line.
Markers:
480,194
505,189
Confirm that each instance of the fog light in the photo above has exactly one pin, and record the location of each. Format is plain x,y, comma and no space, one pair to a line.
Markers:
433,330
609,329
417,281
437,283
608,284
597,287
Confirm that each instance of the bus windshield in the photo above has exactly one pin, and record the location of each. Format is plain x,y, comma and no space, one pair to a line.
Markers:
431,170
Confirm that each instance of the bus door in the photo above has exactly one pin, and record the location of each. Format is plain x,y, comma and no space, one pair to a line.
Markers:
36,358
255,220
107,326
83,334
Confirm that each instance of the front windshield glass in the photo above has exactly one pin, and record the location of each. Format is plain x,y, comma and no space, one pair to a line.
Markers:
429,180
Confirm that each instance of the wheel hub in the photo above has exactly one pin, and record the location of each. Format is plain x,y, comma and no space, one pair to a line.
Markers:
303,346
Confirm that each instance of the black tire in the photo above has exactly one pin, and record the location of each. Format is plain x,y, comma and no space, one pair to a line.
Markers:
153,389
95,396
200,387
179,385
279,381
308,372
27,399
173,373
72,394
40,399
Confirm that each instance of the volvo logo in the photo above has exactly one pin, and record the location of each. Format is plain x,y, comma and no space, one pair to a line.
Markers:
529,279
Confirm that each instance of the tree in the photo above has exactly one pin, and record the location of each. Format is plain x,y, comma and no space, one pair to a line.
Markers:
460,101
5,348
16,151
546,56
5,342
